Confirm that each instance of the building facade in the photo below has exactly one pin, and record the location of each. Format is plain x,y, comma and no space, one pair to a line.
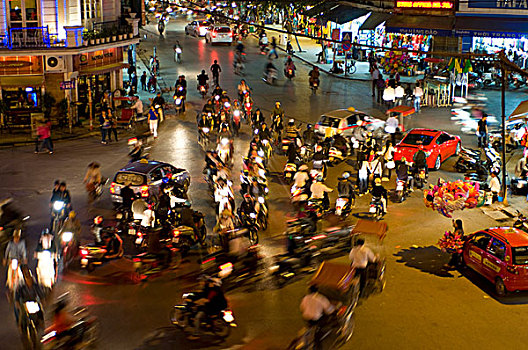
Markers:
70,50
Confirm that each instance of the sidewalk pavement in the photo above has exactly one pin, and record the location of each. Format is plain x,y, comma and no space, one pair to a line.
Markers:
310,51
23,137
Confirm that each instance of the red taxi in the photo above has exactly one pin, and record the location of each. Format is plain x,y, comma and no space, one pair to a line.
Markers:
501,255
438,145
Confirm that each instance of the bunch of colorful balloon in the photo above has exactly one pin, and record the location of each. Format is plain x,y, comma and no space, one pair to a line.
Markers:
396,61
451,242
450,196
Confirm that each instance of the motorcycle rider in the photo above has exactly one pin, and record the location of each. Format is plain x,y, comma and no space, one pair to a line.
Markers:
202,79
181,82
378,191
291,153
62,319
277,116
292,132
93,176
16,249
211,303
208,108
73,224
340,143
420,161
345,188
403,172
61,195
360,256
320,191
27,290
257,118
224,191
309,136
128,196
114,245
314,75
224,224
270,70
289,66
176,47
243,89
217,91
247,206
136,152
302,178
319,159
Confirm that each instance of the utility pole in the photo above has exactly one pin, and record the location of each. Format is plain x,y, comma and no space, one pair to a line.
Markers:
503,128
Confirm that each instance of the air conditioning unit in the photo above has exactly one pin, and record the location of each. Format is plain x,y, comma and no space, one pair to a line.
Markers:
55,64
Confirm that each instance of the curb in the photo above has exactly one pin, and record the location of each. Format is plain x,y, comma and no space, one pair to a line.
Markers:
28,143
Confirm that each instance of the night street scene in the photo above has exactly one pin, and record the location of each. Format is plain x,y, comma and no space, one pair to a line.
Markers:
263,175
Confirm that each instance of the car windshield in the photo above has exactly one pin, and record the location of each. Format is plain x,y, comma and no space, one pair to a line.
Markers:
329,121
134,179
223,30
417,139
520,255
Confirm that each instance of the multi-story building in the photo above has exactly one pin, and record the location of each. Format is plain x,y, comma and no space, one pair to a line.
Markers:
67,49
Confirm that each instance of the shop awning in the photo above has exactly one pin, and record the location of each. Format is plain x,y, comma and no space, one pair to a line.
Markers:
21,80
421,25
374,20
494,27
335,12
521,112
103,69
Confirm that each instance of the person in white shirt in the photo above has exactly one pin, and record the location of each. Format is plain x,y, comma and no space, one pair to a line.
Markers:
319,190
359,257
314,306
301,176
418,93
149,217
138,106
375,74
495,185
363,175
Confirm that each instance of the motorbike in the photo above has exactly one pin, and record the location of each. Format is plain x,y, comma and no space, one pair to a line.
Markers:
521,222
68,248
93,255
147,264
285,144
46,269
314,85
249,222
161,27
289,171
306,153
289,73
183,316
82,335
203,90
177,54
185,237
343,206
248,105
335,155
31,322
95,191
270,76
286,267
298,195
203,137
224,151
376,208
58,213
237,116
401,190
14,276
420,178
179,99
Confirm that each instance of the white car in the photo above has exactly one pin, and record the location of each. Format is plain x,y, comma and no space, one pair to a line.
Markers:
197,28
219,34
347,122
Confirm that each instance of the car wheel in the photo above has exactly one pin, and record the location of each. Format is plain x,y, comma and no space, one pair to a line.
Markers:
500,287
457,150
438,162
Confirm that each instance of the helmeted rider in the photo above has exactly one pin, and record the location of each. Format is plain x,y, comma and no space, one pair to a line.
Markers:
202,79
211,302
309,136
378,191
320,191
345,187
289,66
402,173
277,116
314,75
420,160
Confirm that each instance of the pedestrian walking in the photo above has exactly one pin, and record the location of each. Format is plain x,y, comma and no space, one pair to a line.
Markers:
388,160
113,125
44,134
105,127
153,81
380,85
418,93
482,130
375,75
273,50
215,69
363,175
153,121
138,107
144,81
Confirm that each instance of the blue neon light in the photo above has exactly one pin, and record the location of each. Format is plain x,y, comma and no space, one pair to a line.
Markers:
57,16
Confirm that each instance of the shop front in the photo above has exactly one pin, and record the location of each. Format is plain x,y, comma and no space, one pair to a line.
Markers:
100,72
21,90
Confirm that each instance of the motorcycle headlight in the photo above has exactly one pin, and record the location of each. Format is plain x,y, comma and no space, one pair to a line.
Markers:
261,200
236,113
224,141
14,264
260,153
32,307
227,105
217,97
67,236
205,130
58,205
253,215
262,173
178,101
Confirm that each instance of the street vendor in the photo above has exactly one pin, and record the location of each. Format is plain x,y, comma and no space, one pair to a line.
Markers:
453,242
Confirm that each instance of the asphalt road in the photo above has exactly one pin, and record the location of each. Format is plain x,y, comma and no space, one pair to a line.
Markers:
423,306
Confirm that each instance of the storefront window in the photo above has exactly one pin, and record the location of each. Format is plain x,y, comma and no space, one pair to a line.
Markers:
21,98
15,10
31,10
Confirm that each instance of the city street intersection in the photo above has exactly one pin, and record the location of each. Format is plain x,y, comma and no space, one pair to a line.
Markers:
423,306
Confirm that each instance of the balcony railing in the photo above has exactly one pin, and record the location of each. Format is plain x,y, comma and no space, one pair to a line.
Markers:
117,27
33,37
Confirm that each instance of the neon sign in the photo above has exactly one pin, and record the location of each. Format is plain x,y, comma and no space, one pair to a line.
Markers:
429,5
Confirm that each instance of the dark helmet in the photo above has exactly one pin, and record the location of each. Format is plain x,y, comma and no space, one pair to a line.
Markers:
203,71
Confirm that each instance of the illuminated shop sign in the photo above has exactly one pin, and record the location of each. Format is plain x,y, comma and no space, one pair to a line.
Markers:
427,5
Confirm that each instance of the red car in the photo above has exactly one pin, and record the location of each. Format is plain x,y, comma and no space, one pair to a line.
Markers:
438,145
501,255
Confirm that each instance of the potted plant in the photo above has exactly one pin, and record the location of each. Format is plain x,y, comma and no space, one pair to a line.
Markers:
97,38
104,36
114,33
